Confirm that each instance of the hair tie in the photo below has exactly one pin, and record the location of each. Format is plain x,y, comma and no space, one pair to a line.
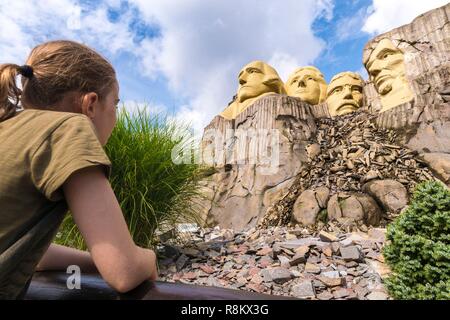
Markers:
26,71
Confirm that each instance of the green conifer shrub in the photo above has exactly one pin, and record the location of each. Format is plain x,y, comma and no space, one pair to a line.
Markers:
418,249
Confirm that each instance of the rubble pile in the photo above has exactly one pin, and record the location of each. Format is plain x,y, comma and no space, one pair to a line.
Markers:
281,261
348,156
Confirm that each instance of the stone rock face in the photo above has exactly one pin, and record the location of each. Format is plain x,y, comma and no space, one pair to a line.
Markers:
254,170
392,195
423,125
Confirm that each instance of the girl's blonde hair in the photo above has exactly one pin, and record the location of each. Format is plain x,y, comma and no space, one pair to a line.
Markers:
56,68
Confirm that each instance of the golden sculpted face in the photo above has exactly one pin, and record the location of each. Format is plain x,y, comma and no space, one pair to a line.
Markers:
256,79
386,69
308,84
344,93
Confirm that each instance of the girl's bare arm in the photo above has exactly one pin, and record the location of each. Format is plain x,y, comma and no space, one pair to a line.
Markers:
60,257
97,213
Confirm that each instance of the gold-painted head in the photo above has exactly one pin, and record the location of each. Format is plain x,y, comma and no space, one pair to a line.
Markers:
386,68
257,78
345,93
308,84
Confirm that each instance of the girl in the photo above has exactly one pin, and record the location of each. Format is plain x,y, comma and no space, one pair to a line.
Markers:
51,160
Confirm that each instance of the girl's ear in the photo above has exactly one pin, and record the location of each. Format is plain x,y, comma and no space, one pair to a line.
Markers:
89,104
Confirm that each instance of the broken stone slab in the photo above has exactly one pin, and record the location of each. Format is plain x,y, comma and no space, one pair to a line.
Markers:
343,293
346,242
377,234
335,247
304,290
299,257
277,275
375,256
289,252
264,251
380,268
207,269
327,237
361,292
351,253
325,296
191,252
312,268
181,262
377,295
302,250
312,150
294,244
257,279
330,274
300,232
327,251
265,262
284,261
331,282
169,251
291,236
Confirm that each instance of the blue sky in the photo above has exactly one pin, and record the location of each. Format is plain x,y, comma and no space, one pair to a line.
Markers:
182,57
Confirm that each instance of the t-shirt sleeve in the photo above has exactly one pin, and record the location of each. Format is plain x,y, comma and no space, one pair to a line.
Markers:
71,146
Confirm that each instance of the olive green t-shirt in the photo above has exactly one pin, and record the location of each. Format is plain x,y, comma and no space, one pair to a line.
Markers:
39,150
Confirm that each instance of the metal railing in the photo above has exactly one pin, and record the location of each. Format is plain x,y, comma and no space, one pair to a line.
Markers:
53,286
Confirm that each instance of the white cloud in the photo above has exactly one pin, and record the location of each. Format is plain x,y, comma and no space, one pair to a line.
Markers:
25,24
204,44
388,14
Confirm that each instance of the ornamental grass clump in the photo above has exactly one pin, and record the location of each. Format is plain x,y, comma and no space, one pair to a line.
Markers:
151,189
418,250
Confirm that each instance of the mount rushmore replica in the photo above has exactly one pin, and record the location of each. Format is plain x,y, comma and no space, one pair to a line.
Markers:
350,151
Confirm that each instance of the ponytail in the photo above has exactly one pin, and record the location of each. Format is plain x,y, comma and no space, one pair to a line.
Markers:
52,70
9,92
